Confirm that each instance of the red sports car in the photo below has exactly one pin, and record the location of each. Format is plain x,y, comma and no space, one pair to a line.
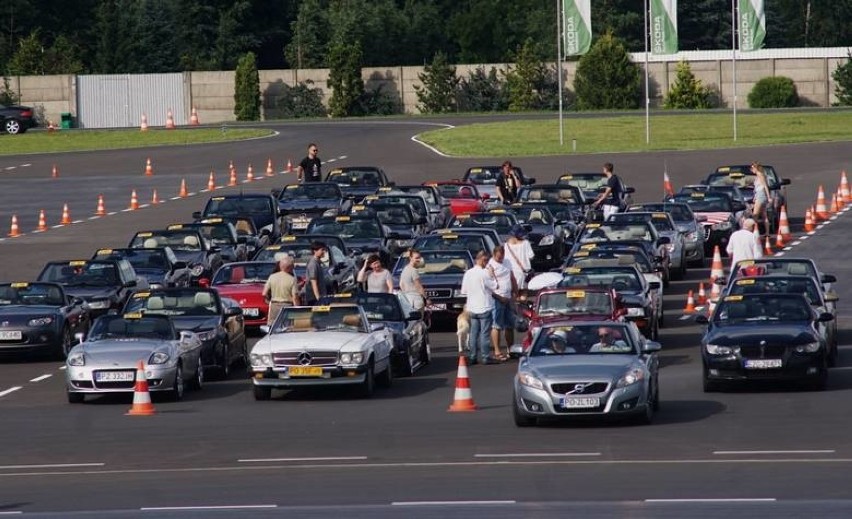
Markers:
464,198
243,282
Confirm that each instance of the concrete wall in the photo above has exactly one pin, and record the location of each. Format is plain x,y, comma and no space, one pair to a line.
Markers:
212,93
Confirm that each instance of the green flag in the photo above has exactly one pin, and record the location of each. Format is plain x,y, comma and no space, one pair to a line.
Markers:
577,26
752,24
663,26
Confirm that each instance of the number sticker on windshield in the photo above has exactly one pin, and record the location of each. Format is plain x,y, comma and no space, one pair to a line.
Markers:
575,294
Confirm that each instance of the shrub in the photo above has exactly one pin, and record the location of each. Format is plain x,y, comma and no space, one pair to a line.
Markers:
439,83
842,76
379,102
482,92
247,89
344,78
773,92
606,78
526,78
7,95
687,93
298,101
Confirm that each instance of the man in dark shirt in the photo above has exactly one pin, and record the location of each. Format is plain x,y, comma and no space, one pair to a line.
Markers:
310,169
610,198
508,184
315,287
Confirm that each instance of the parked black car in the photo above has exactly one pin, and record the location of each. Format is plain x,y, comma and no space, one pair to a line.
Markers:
356,182
364,235
16,119
104,284
300,203
159,266
188,245
262,209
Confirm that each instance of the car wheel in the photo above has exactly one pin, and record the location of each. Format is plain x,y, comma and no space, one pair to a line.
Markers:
225,363
368,387
710,386
647,416
76,398
262,393
177,390
385,378
12,126
406,366
426,351
66,344
198,378
521,420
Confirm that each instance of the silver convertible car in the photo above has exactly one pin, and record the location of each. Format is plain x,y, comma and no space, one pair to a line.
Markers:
106,361
587,368
312,346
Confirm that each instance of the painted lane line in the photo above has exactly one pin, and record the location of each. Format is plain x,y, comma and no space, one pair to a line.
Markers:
325,458
12,512
143,206
94,217
62,368
212,507
719,500
10,168
9,391
57,226
343,157
538,455
26,165
685,317
174,198
126,210
41,377
797,242
112,213
51,466
779,254
454,503
802,451
329,161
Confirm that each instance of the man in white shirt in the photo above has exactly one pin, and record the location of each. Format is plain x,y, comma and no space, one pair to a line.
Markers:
743,244
507,289
479,285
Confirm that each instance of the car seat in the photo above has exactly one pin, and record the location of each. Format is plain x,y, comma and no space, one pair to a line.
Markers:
352,320
203,299
797,269
154,303
191,241
466,192
534,195
150,243
536,216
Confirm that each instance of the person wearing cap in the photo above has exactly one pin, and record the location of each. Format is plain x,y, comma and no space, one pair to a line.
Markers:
479,286
281,288
744,244
315,287
519,252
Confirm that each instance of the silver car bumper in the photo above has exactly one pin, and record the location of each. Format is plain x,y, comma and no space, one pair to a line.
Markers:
331,376
81,379
539,403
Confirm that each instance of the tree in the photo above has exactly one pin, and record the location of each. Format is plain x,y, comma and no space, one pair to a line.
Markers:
247,89
308,45
234,36
28,58
154,43
623,18
773,92
526,78
439,84
344,78
606,78
113,34
687,92
7,95
63,57
482,92
842,76
705,24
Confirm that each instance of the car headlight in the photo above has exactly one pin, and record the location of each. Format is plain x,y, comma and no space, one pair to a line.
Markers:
714,349
331,212
632,376
197,270
156,286
811,347
40,321
722,226
261,360
691,236
352,358
207,335
76,359
99,304
530,381
547,240
634,311
159,358
457,293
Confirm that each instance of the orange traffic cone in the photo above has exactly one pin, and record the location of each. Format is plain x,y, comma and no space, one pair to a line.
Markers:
702,295
142,405
193,119
183,193
767,247
101,210
170,121
66,216
821,209
779,240
134,201
54,173
14,231
149,171
42,222
250,174
844,187
50,127
211,182
834,208
717,270
715,292
144,125
289,166
463,397
809,220
233,180
154,198
668,190
690,304
784,225
269,171
841,201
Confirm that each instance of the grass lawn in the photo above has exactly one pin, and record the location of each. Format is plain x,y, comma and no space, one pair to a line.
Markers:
78,140
627,133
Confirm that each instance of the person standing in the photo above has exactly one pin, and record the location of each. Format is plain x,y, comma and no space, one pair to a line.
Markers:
761,196
378,279
478,285
409,281
508,184
610,198
744,244
503,318
520,253
310,169
281,289
315,287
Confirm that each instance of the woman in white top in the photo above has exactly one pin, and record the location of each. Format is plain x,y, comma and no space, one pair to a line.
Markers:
761,196
378,279
520,254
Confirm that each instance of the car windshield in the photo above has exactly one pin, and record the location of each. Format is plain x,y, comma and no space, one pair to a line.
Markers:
309,191
484,175
502,223
589,183
790,267
393,215
446,241
176,239
458,191
242,273
226,206
764,307
594,233
559,194
660,221
217,234
778,285
533,215
81,273
619,279
354,177
706,203
426,192
152,259
381,307
566,302
583,339
417,205
117,327
679,212
347,228
175,302
319,319
439,262
604,258
30,294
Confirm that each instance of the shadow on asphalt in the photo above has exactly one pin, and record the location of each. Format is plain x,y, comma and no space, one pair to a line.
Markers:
679,340
673,360
670,413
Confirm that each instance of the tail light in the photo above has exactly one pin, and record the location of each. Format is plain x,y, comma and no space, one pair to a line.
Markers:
204,282
27,113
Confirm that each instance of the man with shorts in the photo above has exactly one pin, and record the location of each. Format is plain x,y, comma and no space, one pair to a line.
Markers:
502,315
610,198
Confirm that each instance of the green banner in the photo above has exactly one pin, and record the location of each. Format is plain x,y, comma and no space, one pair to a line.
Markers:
663,26
577,26
752,24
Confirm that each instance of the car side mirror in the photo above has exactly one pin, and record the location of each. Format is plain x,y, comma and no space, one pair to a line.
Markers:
832,297
516,350
79,337
701,319
185,336
264,328
376,327
828,278
825,317
233,311
196,215
132,283
664,240
651,347
785,181
654,285
275,192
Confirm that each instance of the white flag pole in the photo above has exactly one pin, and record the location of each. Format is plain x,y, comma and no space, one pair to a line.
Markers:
734,59
647,82
559,35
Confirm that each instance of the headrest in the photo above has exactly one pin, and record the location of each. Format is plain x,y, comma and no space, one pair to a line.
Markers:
154,303
352,320
566,194
150,243
203,299
797,269
192,241
302,324
536,215
535,195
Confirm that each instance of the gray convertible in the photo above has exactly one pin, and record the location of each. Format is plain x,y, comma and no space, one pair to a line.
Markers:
582,368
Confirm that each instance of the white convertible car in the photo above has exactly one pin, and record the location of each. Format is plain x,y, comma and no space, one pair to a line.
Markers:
322,346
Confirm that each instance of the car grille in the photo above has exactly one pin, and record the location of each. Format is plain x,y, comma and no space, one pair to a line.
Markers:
317,358
590,388
439,292
769,351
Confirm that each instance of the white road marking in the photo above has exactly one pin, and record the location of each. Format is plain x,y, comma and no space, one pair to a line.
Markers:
77,221
12,512
41,377
326,458
685,317
213,507
10,168
111,213
779,254
63,367
454,503
26,165
9,391
537,455
174,198
329,161
797,242
143,206
126,210
51,466
343,157
94,217
805,451
57,226
718,500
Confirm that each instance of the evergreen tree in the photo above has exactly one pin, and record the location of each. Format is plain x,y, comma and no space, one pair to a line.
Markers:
235,35
705,24
606,79
155,45
344,79
197,28
842,76
687,92
438,92
308,46
247,89
63,57
28,59
622,18
526,78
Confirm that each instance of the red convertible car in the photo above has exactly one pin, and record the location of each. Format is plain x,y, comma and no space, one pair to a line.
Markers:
243,282
464,198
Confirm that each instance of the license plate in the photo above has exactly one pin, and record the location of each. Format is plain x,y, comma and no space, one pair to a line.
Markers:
576,402
305,371
115,376
300,224
251,312
14,335
437,306
763,363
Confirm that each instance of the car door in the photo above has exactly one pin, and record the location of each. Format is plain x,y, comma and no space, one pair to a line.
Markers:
234,323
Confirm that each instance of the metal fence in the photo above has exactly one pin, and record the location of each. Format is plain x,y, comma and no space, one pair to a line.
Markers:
119,100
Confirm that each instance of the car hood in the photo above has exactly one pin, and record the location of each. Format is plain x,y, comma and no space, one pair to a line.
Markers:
191,257
752,334
632,298
119,353
16,313
365,244
687,227
715,217
87,293
605,365
152,275
242,290
195,323
319,204
313,341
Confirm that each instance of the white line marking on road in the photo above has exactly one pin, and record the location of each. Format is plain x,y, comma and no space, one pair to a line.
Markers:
213,507
77,221
51,466
57,226
26,165
143,206
719,500
810,233
12,512
823,451
538,455
41,377
191,194
329,161
797,242
779,254
343,157
803,238
10,168
416,138
174,198
454,503
833,218
62,368
325,458
94,217
9,391
684,317
112,213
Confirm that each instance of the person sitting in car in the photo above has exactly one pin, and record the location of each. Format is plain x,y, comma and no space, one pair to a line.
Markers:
607,343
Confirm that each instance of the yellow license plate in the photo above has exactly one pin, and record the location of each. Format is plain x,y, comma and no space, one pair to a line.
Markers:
305,371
